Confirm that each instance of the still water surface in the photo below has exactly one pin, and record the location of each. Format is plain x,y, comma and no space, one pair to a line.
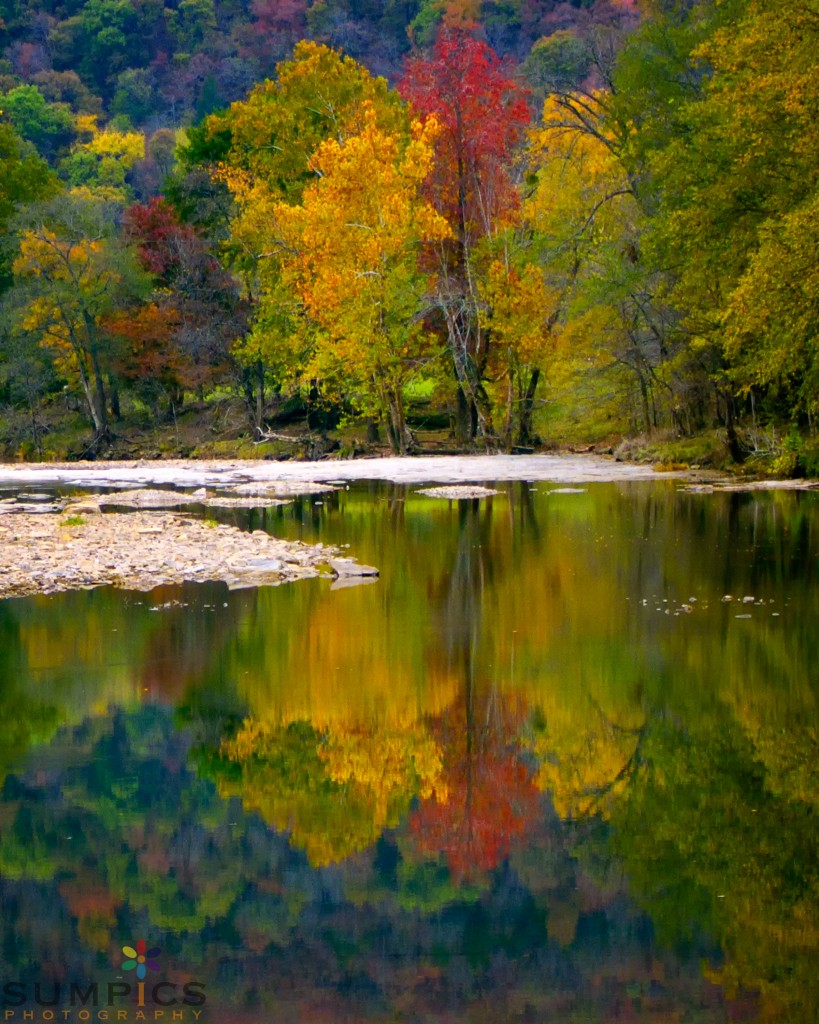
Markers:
540,771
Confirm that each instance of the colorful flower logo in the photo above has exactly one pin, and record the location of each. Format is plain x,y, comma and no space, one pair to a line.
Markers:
140,959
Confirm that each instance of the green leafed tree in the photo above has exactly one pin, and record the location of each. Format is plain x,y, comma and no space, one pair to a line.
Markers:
49,126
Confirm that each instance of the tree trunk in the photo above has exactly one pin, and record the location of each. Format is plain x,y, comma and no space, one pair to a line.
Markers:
99,402
251,404
474,415
506,435
89,402
527,409
401,439
465,418
483,414
260,395
734,447
644,401
113,395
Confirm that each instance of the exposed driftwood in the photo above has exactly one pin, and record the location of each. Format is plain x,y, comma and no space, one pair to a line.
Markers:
271,435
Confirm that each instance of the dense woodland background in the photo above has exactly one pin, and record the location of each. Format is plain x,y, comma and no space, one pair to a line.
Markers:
288,228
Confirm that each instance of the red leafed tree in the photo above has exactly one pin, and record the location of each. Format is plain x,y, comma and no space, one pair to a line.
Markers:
482,113
492,800
274,18
150,355
159,236
182,339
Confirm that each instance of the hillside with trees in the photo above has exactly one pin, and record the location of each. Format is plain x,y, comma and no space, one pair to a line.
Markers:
287,228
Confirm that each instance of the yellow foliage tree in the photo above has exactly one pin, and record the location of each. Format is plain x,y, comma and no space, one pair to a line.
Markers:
519,307
611,334
317,95
352,258
334,791
103,161
72,273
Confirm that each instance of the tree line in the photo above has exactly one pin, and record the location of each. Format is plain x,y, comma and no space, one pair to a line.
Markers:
620,228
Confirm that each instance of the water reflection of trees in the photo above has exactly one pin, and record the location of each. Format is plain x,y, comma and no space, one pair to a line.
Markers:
432,724
154,850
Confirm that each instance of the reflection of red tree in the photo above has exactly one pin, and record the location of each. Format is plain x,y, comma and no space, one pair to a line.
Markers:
84,898
491,798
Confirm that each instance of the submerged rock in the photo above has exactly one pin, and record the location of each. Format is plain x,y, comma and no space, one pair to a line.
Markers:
344,582
141,497
458,492
349,567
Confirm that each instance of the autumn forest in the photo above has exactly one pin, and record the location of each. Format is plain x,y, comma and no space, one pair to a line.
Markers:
452,223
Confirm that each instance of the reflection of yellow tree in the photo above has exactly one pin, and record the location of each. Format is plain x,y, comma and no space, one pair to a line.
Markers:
705,840
586,757
771,905
341,680
335,792
385,764
777,707
788,746
514,573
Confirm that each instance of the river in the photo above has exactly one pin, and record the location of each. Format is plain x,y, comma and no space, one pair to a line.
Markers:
559,763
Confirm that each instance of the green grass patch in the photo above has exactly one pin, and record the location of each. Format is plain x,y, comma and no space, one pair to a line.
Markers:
238,448
669,454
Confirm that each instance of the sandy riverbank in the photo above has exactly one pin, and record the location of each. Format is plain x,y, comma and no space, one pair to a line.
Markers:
284,479
437,469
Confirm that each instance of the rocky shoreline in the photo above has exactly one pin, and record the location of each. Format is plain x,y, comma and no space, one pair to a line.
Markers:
82,549
59,541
